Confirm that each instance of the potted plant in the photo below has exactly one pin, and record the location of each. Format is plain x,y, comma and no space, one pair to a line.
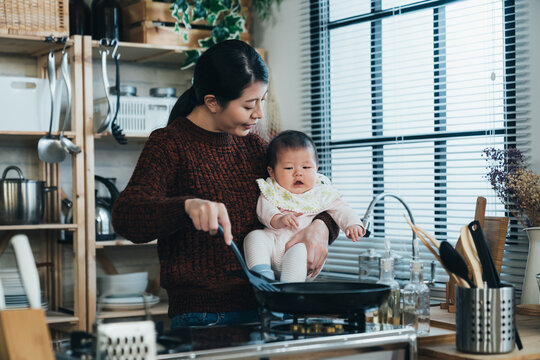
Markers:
225,17
518,187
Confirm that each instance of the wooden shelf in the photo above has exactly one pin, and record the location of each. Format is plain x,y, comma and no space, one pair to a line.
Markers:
27,45
121,242
54,317
159,309
39,227
30,135
147,53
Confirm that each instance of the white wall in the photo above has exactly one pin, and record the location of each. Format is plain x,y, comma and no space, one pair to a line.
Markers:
280,37
534,46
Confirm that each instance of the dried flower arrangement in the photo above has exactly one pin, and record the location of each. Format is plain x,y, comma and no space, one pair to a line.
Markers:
516,185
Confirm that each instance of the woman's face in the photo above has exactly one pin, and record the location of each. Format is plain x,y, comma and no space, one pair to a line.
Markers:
295,169
242,114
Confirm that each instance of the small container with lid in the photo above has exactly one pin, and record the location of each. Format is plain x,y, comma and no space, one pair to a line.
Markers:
163,92
125,90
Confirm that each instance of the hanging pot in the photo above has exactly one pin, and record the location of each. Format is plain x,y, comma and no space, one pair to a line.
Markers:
22,201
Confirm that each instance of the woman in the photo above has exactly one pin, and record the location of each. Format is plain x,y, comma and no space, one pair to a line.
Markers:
199,172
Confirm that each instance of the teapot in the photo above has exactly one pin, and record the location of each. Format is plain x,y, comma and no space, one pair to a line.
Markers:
103,211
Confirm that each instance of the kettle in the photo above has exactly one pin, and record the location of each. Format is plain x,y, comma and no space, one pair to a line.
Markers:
104,229
103,212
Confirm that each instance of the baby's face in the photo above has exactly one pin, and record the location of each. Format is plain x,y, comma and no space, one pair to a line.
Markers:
295,169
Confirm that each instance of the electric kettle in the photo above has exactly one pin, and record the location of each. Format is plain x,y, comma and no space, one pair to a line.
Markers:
103,212
104,228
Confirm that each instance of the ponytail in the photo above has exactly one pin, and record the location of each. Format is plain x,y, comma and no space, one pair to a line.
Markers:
184,105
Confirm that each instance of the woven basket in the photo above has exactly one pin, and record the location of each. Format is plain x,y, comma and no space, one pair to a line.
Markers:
34,17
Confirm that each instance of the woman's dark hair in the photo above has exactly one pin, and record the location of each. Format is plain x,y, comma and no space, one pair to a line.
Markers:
289,139
224,71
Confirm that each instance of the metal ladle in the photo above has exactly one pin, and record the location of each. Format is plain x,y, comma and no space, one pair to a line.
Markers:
50,149
67,143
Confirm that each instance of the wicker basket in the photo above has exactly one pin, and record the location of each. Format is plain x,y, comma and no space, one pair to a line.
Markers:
34,17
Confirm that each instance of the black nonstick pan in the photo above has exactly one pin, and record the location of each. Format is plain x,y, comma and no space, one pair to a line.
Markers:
316,297
323,297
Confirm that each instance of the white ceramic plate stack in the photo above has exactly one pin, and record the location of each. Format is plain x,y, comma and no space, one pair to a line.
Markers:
14,290
129,302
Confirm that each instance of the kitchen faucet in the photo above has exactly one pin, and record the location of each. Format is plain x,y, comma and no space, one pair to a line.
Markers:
367,223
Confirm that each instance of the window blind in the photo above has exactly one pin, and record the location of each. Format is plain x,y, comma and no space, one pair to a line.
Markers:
402,97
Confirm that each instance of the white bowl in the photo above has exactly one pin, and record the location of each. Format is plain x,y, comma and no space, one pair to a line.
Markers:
122,284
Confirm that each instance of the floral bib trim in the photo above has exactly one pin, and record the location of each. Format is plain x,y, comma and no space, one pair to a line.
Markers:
312,201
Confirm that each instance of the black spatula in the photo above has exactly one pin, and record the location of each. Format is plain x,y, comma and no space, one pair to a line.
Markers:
453,261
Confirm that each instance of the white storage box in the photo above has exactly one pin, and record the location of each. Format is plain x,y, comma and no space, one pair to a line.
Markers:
25,104
138,115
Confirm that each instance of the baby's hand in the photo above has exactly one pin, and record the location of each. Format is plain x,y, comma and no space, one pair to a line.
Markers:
355,232
285,221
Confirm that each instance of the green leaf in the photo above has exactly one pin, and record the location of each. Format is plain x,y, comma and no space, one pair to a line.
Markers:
207,42
185,36
212,19
227,4
235,23
216,6
199,11
191,59
220,33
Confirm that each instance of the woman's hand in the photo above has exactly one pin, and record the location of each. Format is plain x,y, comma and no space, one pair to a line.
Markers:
207,215
315,237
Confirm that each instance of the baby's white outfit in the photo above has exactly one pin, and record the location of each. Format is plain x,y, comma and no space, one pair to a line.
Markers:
267,247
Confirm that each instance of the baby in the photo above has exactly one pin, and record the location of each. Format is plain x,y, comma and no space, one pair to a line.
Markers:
290,198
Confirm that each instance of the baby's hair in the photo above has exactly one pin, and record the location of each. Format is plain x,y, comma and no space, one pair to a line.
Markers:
289,139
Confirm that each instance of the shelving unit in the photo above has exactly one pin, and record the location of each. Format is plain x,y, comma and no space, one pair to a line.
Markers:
47,232
141,54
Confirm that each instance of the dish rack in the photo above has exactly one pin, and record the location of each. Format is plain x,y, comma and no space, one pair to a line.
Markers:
138,115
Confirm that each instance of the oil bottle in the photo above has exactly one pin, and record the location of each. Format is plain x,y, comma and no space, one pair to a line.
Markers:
389,312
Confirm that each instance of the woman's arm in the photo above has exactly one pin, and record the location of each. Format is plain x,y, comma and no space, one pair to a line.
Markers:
143,211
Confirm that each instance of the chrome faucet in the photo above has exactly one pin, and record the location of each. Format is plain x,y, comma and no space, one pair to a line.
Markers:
367,223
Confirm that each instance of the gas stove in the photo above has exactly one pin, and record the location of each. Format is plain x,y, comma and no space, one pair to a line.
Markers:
302,337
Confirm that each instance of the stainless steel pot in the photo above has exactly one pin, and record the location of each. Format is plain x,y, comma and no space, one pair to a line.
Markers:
22,201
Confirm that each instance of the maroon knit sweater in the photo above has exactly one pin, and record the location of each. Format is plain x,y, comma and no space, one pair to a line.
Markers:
180,162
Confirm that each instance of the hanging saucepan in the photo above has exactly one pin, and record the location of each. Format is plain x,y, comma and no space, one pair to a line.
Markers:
22,201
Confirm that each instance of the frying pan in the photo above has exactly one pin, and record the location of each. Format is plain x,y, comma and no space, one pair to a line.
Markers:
320,297
323,297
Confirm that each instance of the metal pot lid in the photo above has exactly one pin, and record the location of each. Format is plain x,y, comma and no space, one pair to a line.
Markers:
125,90
163,92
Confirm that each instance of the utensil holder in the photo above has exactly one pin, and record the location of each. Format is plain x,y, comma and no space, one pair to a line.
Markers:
485,320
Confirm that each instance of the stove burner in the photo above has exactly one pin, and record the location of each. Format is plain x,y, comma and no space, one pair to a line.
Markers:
306,326
311,326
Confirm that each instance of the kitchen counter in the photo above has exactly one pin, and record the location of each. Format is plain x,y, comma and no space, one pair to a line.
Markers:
444,348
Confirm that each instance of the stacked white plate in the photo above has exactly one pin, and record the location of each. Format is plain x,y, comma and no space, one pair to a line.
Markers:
14,291
128,302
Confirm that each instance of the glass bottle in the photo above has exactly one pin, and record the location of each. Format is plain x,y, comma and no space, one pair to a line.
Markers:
106,20
416,300
389,312
79,18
